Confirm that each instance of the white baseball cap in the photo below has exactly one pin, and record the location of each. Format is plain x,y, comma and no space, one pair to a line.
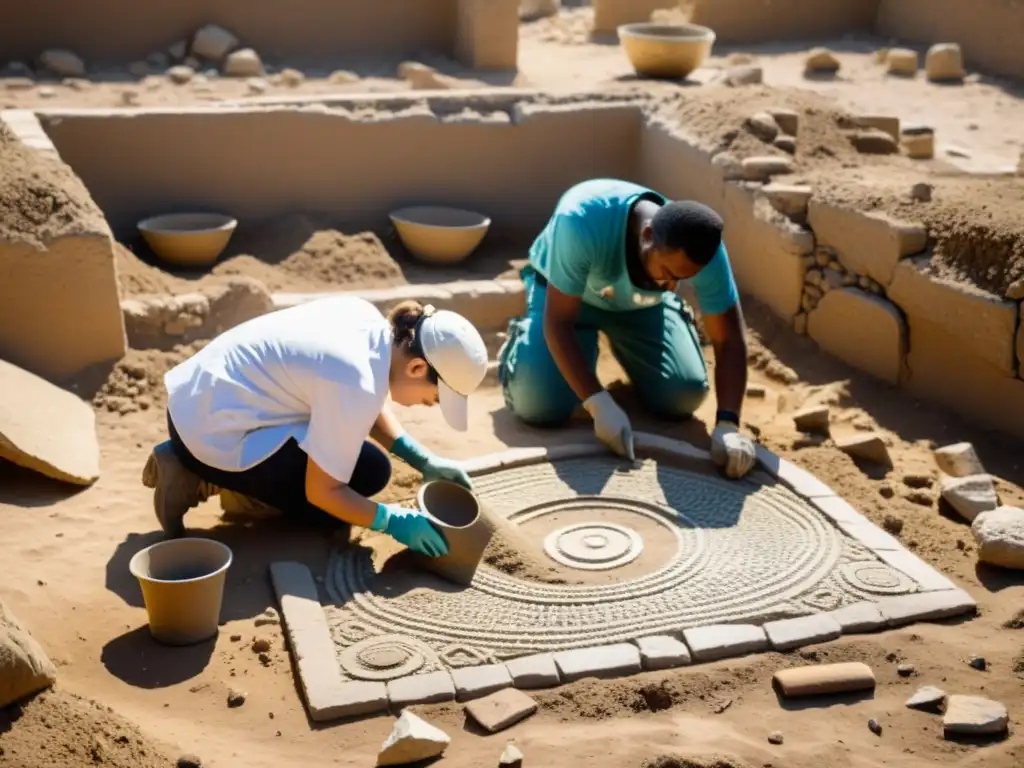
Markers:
455,349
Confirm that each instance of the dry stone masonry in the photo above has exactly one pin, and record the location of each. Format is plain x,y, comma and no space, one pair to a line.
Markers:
799,566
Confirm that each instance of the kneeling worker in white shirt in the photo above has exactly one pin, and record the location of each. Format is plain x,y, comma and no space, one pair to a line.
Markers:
279,409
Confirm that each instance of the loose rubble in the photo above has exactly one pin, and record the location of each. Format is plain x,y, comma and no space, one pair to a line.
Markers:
944,63
970,495
512,757
412,739
999,534
974,716
927,698
958,460
24,666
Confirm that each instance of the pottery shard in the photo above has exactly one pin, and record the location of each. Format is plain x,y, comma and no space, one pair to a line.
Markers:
63,63
243,63
789,199
971,495
814,419
974,716
763,126
880,342
501,710
24,666
412,739
944,62
902,61
1000,537
821,60
47,429
867,446
213,42
958,460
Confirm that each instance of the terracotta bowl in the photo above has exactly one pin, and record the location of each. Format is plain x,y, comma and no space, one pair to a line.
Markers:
188,239
440,235
666,50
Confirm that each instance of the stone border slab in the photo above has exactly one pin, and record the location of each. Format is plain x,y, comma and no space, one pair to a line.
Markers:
328,696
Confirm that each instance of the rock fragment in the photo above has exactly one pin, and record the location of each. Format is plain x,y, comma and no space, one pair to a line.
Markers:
412,739
63,63
944,63
512,757
180,74
868,446
927,698
502,709
958,460
821,61
974,716
25,668
970,495
244,62
763,126
213,43
814,419
902,61
1000,537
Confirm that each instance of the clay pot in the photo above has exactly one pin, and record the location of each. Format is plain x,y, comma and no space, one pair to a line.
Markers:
467,527
188,239
183,587
440,235
666,50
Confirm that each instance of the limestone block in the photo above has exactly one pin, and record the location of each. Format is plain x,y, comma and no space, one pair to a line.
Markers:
958,460
63,63
501,710
886,123
609,14
902,61
869,244
970,495
47,429
537,671
604,661
812,419
786,144
974,716
474,682
944,62
662,652
787,634
859,617
765,250
213,43
788,120
487,33
874,141
1000,537
789,199
983,322
863,330
866,446
763,168
429,688
24,666
947,371
412,740
243,63
723,641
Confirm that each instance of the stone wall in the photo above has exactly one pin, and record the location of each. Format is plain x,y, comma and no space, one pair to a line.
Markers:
609,14
990,32
483,33
59,310
859,284
757,21
353,164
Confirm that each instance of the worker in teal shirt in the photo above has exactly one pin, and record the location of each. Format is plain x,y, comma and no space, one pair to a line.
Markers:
609,260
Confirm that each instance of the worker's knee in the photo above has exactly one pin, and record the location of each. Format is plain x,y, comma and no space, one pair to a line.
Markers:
534,388
676,398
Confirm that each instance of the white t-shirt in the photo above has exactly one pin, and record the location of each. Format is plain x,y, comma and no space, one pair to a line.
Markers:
317,372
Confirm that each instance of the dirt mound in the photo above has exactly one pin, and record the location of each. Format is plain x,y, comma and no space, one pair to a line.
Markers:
302,253
135,277
40,198
715,116
976,225
60,730
693,761
137,381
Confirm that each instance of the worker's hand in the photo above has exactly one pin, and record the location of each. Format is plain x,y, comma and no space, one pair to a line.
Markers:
732,450
437,468
611,424
412,528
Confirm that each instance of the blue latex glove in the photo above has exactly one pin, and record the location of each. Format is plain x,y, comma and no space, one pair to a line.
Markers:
430,464
410,527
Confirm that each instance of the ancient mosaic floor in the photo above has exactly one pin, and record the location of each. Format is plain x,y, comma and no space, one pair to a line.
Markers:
665,564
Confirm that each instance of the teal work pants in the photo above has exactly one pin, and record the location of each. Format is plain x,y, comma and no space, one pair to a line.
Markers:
657,346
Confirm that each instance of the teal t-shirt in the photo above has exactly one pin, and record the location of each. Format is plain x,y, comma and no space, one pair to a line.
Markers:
582,251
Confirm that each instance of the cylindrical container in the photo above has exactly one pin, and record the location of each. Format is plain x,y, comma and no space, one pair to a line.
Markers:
918,142
182,584
467,527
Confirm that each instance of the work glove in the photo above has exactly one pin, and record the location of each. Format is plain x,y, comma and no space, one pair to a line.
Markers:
732,450
611,424
430,464
410,527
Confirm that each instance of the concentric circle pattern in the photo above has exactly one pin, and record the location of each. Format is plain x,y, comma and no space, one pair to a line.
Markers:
743,552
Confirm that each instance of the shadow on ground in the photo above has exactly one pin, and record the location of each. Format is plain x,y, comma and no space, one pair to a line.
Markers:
137,659
22,487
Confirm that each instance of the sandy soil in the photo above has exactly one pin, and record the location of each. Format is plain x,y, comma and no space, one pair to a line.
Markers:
67,578
65,553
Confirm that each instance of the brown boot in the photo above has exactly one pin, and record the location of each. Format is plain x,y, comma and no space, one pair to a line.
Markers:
175,489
